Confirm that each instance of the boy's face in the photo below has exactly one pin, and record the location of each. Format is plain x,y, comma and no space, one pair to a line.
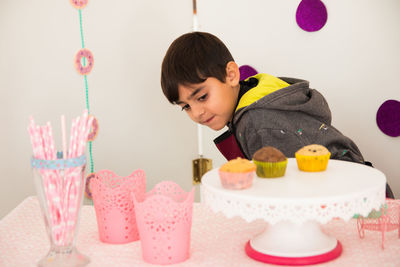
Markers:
210,103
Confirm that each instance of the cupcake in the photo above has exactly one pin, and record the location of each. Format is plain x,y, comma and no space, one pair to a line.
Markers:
270,162
312,158
237,174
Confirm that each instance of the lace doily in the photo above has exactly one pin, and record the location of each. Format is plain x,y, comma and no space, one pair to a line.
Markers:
341,191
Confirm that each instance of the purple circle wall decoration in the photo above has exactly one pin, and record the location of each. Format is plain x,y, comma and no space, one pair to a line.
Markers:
388,118
246,71
311,15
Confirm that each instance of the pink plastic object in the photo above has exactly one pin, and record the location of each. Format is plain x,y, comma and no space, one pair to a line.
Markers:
164,219
230,180
385,220
112,200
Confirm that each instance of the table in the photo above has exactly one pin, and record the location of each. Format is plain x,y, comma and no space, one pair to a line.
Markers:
23,241
295,205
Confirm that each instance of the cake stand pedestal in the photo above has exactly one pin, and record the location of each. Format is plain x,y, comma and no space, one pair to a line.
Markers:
294,207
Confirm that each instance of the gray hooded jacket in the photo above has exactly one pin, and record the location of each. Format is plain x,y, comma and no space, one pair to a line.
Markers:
289,119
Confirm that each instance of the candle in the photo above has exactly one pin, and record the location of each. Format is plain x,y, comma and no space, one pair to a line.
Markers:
199,126
195,22
200,140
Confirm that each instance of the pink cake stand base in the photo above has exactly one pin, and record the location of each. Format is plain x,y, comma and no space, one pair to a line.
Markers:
286,243
258,256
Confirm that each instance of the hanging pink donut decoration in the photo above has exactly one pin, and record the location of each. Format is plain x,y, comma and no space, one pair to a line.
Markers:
84,53
94,129
79,4
88,191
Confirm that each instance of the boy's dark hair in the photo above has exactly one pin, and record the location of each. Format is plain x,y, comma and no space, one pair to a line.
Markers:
191,59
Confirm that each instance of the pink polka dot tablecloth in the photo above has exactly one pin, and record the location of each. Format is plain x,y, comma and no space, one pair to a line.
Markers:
215,241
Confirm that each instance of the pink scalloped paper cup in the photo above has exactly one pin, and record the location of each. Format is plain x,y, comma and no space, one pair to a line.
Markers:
112,200
164,219
236,180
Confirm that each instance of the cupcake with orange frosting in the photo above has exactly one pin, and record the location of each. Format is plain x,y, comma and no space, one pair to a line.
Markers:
237,174
312,158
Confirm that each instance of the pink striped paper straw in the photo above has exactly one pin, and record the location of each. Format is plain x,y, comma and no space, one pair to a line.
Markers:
85,134
72,140
74,145
35,141
40,141
71,151
38,150
72,154
64,152
55,189
82,129
57,179
82,133
52,147
76,137
63,136
79,140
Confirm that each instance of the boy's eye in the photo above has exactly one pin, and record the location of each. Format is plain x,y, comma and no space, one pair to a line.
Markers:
203,97
185,107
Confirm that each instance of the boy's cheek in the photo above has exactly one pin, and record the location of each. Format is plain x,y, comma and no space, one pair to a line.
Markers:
192,117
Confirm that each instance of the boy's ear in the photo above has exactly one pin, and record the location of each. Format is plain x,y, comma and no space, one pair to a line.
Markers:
232,73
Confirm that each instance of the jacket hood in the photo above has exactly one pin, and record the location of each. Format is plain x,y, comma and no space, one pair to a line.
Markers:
296,97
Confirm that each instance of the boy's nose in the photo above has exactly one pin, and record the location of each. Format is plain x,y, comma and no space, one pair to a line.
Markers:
199,113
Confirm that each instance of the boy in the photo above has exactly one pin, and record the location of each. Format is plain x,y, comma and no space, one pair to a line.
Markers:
199,74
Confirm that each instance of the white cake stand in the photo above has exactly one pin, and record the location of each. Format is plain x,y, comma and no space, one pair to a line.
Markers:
295,205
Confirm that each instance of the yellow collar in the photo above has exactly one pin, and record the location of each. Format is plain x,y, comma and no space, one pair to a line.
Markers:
266,84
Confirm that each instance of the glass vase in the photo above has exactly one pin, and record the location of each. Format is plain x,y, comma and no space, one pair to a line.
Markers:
59,186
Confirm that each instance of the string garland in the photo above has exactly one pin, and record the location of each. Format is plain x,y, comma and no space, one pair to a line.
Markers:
86,89
84,68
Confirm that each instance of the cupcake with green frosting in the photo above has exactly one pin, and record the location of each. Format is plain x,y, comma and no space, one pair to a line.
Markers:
270,162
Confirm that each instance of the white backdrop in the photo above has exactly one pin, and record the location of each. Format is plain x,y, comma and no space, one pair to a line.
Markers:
354,61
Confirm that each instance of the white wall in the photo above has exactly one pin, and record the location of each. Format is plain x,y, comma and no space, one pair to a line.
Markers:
354,61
